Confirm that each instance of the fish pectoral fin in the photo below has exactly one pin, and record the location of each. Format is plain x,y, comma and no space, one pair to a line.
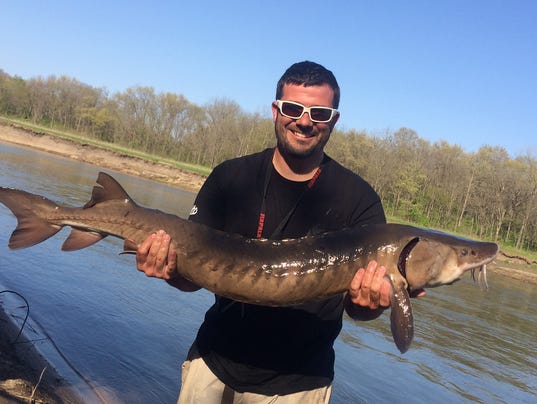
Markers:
129,247
79,239
401,318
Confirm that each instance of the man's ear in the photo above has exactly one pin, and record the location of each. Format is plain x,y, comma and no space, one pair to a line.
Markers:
275,111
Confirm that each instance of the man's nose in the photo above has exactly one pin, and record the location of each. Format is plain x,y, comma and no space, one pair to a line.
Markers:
305,120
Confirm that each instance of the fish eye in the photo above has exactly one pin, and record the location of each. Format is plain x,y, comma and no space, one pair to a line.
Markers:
464,252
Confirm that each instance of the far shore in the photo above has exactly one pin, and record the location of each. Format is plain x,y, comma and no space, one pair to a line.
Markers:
103,158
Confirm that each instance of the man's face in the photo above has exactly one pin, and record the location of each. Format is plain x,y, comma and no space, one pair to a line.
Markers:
302,137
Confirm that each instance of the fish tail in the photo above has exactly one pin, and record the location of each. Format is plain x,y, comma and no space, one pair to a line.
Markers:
31,228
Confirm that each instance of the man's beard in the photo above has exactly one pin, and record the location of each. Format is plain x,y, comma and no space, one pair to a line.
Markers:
287,149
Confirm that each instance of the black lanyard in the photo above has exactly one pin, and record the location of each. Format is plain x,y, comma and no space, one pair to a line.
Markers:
285,220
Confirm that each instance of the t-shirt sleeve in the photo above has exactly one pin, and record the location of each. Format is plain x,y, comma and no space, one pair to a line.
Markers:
209,205
369,211
363,202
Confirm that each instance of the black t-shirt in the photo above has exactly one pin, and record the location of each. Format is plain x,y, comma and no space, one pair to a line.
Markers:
277,350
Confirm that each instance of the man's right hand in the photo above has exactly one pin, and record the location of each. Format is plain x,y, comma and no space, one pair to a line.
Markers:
156,259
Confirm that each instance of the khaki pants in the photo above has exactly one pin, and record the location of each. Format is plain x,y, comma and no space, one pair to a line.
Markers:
201,386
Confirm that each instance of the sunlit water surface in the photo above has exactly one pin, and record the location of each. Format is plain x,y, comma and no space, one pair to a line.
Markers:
121,337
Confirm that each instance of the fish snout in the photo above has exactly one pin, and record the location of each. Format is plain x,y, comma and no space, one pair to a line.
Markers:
478,254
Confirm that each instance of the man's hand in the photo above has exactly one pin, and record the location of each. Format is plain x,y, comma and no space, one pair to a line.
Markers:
369,288
155,258
369,293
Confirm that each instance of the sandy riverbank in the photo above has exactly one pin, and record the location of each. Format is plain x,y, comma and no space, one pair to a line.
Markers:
102,158
19,370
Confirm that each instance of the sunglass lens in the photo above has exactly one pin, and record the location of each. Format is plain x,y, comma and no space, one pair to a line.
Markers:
292,110
321,114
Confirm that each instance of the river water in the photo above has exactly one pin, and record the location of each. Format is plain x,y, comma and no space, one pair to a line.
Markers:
120,337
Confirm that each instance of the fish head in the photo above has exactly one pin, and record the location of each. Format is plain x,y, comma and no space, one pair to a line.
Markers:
442,259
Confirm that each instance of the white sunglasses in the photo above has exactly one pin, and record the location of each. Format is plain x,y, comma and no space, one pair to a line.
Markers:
295,110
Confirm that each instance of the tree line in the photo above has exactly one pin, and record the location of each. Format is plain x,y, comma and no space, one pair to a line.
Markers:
487,193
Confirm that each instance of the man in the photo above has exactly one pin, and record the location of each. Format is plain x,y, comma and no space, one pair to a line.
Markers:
274,354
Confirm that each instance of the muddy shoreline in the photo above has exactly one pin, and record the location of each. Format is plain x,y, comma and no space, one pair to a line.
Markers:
102,158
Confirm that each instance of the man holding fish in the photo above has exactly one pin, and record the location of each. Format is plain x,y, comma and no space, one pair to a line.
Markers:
278,236
277,354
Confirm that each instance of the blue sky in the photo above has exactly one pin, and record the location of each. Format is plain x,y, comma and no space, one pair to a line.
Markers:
463,71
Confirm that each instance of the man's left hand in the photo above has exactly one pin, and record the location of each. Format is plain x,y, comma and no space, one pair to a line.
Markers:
369,288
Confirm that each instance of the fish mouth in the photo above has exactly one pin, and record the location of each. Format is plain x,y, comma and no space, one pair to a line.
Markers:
481,268
481,279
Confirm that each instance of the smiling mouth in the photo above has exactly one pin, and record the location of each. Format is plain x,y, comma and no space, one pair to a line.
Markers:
302,135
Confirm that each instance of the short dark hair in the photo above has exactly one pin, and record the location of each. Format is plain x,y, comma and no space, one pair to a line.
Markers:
309,74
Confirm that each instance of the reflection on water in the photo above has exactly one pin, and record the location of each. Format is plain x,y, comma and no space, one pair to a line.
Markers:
126,335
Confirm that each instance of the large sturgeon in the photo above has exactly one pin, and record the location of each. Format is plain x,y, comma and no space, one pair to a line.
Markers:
265,272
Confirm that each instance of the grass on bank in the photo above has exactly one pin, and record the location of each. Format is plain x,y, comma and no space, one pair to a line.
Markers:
105,145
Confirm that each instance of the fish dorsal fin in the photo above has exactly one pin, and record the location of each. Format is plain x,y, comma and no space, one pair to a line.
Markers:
79,239
107,189
401,317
